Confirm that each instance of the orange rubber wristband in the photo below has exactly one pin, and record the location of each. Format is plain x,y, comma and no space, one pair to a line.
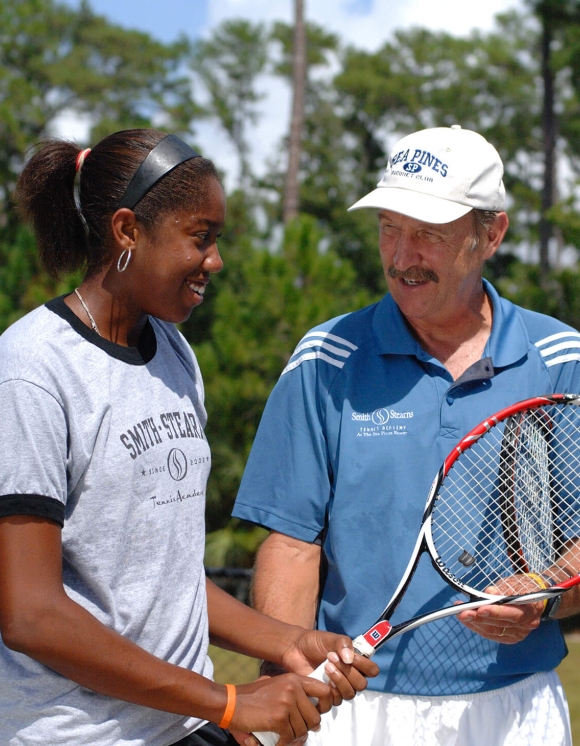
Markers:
230,706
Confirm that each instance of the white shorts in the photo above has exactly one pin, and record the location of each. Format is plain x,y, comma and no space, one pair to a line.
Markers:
533,712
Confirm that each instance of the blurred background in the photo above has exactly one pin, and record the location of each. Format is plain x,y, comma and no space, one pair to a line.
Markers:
298,103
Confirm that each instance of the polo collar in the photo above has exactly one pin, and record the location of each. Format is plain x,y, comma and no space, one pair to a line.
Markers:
508,341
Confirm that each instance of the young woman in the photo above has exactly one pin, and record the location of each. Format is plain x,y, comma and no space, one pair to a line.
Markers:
105,611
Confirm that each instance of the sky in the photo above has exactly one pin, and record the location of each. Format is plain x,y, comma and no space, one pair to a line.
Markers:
366,24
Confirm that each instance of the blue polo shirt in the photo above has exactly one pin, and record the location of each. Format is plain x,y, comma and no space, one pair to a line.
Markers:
349,443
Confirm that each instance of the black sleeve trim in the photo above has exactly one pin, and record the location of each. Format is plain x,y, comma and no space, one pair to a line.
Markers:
37,505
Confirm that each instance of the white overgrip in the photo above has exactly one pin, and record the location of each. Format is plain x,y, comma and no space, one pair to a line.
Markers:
271,739
361,646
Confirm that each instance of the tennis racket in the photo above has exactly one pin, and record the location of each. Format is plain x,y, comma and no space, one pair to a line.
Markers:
503,515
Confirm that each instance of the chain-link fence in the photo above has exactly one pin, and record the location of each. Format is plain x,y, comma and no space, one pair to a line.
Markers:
232,668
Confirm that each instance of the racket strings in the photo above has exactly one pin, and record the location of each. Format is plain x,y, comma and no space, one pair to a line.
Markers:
509,504
525,485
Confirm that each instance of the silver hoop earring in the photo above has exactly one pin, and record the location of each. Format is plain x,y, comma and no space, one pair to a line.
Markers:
123,261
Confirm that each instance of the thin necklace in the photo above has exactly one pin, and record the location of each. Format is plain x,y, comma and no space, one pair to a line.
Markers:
89,314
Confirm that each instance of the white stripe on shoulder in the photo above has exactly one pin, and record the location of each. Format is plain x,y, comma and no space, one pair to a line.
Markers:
554,337
563,359
324,345
317,355
321,340
332,337
557,348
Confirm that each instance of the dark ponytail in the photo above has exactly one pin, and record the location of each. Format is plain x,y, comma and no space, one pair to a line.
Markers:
72,237
45,198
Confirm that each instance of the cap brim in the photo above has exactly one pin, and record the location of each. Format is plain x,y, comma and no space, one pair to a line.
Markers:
424,207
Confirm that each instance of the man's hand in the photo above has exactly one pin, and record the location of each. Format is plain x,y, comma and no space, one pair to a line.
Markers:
506,624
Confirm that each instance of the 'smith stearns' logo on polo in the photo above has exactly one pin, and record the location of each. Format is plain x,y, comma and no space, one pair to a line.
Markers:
177,464
380,416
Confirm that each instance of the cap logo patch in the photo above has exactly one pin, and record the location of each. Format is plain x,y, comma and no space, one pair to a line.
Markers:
418,159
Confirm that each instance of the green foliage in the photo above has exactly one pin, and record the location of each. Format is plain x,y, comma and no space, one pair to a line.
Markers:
228,65
235,545
421,78
557,296
569,673
320,44
54,59
266,302
23,284
333,172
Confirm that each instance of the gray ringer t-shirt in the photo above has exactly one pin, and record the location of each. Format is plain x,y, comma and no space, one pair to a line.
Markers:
108,441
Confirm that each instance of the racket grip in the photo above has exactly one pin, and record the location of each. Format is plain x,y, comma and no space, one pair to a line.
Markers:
267,738
361,646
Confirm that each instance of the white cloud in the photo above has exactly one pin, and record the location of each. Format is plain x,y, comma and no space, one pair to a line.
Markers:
71,126
368,30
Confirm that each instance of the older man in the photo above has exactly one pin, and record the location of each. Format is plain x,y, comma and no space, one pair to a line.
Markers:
353,434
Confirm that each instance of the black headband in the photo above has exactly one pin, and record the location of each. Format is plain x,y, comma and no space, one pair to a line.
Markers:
165,156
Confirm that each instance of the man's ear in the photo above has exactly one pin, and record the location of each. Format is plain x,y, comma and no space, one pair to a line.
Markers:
495,234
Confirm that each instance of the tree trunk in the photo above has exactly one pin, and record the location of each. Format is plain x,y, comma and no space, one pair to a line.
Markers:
291,186
549,127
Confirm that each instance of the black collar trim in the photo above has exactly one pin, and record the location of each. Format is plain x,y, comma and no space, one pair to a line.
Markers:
140,355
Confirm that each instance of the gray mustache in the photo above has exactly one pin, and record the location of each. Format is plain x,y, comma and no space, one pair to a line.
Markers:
415,274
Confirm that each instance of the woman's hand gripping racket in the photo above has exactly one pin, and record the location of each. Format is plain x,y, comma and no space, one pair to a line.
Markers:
502,518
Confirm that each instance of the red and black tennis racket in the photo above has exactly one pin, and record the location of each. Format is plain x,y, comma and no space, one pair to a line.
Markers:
502,518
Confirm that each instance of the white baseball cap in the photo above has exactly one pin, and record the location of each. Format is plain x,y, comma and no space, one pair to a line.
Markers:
438,175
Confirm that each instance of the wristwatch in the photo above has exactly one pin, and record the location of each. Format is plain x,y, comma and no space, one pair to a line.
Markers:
553,603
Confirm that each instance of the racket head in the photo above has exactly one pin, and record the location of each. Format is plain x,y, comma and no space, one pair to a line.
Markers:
506,500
